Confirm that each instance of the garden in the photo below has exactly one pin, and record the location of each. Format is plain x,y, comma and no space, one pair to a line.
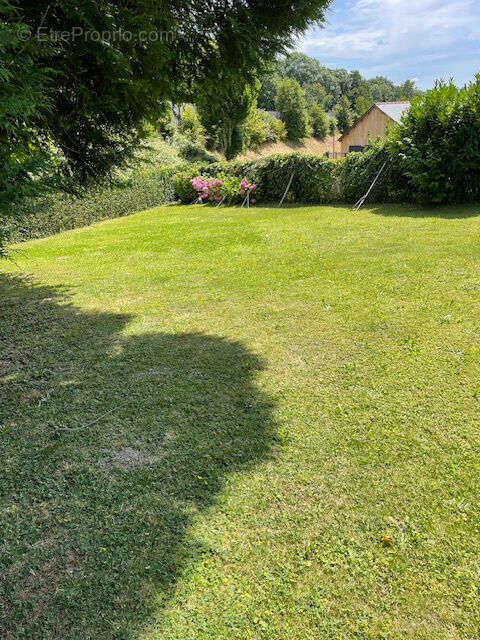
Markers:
239,397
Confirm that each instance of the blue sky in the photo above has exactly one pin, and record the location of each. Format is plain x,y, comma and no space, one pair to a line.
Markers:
400,39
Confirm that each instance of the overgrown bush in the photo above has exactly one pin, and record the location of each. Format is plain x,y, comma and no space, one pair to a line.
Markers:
438,144
225,187
165,124
357,171
255,130
182,184
314,177
319,121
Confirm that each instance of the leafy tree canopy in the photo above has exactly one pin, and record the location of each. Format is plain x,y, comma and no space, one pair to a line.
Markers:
90,73
339,82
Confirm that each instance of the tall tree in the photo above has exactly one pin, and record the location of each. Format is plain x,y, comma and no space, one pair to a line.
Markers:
344,115
292,107
362,105
223,107
319,121
315,94
407,90
268,91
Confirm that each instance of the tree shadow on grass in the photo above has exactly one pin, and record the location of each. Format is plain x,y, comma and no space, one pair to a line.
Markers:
110,445
451,212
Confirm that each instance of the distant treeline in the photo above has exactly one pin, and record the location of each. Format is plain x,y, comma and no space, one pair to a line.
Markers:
327,87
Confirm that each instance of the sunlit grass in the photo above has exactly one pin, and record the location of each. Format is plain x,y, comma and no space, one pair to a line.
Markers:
220,423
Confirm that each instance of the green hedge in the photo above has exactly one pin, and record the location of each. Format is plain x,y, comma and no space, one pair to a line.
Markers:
357,171
60,211
319,180
316,180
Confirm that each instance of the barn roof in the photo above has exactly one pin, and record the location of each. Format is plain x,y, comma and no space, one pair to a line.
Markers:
394,110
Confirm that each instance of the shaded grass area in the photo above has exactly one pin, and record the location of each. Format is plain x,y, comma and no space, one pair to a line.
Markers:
91,533
211,418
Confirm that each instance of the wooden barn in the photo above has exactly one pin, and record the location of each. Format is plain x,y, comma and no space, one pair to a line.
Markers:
372,124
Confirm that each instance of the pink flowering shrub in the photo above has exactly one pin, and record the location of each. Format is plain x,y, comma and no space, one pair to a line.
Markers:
247,188
208,189
223,189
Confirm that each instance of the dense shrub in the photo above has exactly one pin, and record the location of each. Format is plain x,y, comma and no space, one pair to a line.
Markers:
165,124
314,177
357,171
438,144
277,129
192,151
57,212
343,115
182,184
227,189
236,142
255,130
261,127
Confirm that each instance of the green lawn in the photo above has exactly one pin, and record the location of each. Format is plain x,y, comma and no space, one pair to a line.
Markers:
210,419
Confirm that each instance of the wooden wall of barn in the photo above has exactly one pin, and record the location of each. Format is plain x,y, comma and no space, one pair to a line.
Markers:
371,126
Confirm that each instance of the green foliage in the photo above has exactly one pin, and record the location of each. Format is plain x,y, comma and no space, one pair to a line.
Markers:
157,152
105,88
165,124
268,91
236,142
261,127
357,171
314,176
190,125
335,83
343,115
319,121
316,94
276,129
52,213
256,129
83,100
223,104
291,104
229,191
26,154
191,151
362,105
182,184
407,90
438,144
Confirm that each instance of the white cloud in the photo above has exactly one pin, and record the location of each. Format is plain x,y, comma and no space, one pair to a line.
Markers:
380,30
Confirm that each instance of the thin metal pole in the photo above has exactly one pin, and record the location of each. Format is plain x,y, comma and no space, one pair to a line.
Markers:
361,202
286,190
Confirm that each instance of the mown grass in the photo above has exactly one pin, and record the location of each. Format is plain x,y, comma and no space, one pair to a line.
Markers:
296,384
